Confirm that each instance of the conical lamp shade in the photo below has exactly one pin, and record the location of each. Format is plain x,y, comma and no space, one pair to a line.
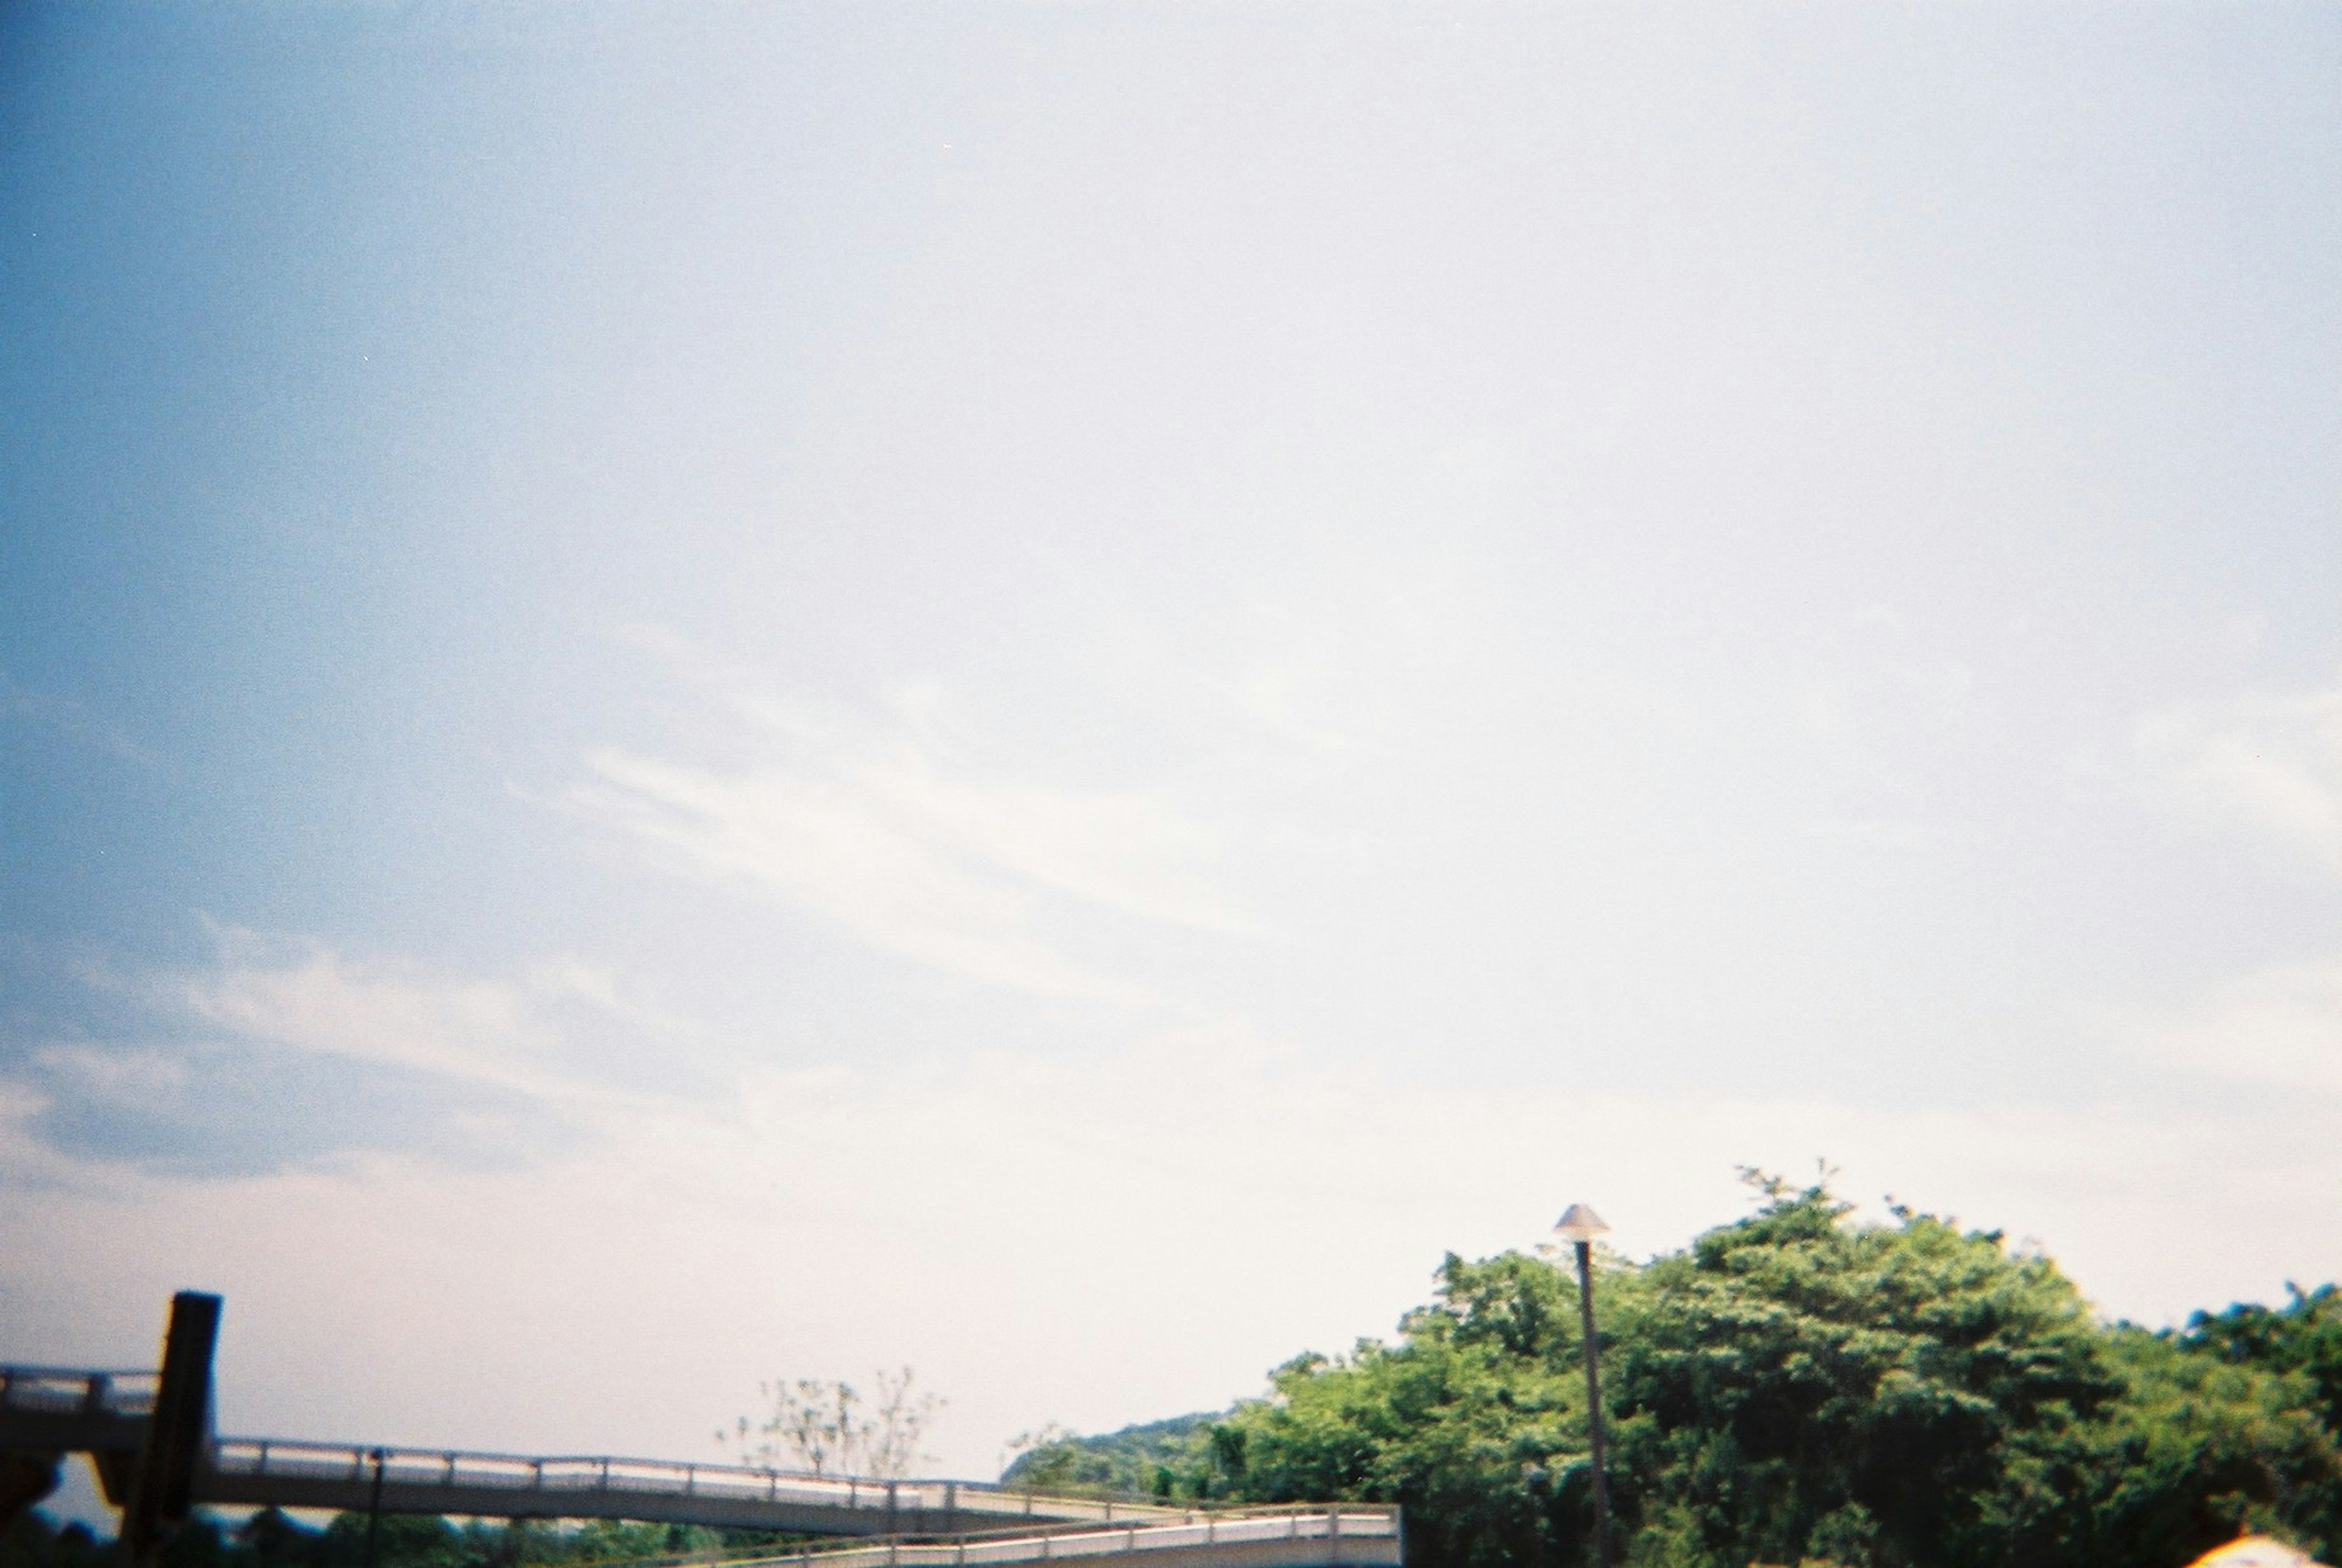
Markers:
1579,1223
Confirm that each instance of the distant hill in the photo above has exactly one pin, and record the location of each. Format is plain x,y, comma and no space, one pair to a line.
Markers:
1151,1459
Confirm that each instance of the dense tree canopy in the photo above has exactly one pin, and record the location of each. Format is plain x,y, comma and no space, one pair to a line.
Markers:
1795,1388
2303,1336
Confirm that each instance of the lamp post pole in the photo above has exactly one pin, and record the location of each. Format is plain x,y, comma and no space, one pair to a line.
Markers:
374,1507
1579,1226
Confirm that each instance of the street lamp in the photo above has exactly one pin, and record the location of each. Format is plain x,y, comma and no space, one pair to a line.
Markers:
1579,1226
373,1510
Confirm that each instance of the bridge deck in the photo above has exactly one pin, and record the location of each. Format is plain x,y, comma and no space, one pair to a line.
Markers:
104,1414
437,1481
1356,1536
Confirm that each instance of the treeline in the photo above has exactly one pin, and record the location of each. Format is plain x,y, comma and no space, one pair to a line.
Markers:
1794,1389
1157,1456
271,1539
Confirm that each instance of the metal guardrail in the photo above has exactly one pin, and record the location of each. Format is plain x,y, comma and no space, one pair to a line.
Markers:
1273,1524
1228,1524
62,1391
1351,1522
256,1458
129,1394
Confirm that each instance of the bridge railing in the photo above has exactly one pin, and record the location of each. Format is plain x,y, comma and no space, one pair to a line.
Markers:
70,1393
64,1390
261,1458
1350,1522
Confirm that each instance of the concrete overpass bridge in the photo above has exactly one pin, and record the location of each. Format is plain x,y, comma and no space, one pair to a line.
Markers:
111,1415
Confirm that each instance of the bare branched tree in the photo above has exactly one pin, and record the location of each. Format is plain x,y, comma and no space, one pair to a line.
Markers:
898,1419
828,1428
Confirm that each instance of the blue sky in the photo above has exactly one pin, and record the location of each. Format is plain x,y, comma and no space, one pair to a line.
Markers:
730,691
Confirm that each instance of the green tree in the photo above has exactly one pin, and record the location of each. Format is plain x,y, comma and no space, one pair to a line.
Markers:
1161,1458
1793,1375
1474,1422
2195,1450
1792,1388
271,1539
35,1539
2304,1336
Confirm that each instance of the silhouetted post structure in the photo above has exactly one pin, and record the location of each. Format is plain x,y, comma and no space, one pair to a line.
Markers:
374,1506
163,1488
1579,1226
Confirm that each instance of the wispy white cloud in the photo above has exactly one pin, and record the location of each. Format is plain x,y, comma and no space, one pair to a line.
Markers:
311,998
874,826
308,996
21,703
2269,763
1129,851
30,1161
835,850
2280,1026
288,1051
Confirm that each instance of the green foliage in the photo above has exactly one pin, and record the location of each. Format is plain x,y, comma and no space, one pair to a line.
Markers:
271,1539
1475,1421
2198,1450
2304,1336
1158,1458
1793,1388
1790,1367
33,1540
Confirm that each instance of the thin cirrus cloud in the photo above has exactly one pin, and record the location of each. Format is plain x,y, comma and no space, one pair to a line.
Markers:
2267,762
51,714
85,1112
546,1033
309,998
2270,766
2279,1026
874,830
287,1054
